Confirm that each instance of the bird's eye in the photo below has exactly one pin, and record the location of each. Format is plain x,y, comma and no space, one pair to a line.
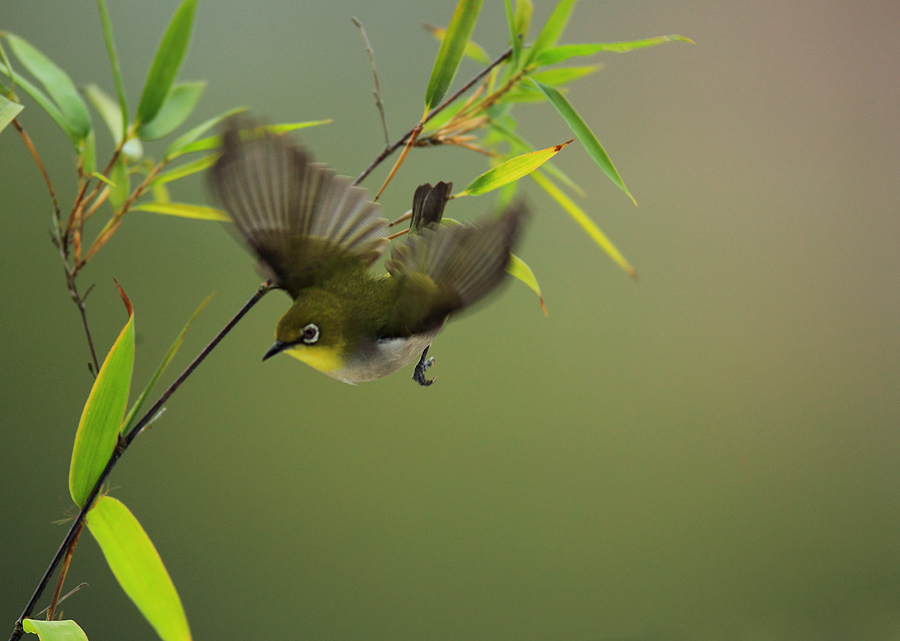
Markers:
310,334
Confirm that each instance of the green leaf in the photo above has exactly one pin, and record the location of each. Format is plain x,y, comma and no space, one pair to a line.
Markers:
562,53
563,75
114,63
8,111
87,152
521,93
552,30
108,110
472,50
519,269
133,412
121,184
166,62
138,568
175,110
54,630
56,82
524,10
585,136
214,142
515,42
509,171
175,149
186,170
452,47
185,211
586,223
47,105
98,430
520,145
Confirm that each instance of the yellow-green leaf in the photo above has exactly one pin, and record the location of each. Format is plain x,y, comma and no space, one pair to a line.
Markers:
585,136
108,110
54,630
46,104
114,63
121,184
132,413
524,10
451,52
176,108
185,211
214,142
515,42
552,30
511,170
565,52
98,430
166,62
519,269
563,75
472,50
175,149
584,221
138,568
56,82
87,153
8,111
186,170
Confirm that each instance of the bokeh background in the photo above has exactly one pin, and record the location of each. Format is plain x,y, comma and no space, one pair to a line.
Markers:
709,453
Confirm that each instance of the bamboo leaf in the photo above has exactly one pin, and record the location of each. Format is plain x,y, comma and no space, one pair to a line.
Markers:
176,108
121,184
552,30
585,136
56,82
563,75
98,430
87,152
108,110
524,10
584,221
175,149
520,145
138,567
514,39
185,211
214,142
452,47
8,111
562,53
186,170
519,269
133,412
47,105
114,63
166,62
472,50
509,171
54,630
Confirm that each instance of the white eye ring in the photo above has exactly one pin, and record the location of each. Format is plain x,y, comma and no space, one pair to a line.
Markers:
310,334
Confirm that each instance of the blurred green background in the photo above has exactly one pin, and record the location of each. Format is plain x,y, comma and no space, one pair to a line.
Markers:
709,453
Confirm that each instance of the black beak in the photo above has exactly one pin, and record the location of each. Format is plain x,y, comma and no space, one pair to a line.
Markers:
277,347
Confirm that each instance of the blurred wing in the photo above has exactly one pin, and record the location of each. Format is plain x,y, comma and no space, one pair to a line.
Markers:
445,269
300,219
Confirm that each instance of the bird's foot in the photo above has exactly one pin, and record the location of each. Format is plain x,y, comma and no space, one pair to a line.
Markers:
419,373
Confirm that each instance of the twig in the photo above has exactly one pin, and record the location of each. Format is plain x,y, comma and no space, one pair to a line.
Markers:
123,444
34,154
377,92
78,587
387,152
54,602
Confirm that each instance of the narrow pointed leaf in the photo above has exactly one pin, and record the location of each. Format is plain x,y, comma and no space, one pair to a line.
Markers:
451,52
585,136
8,111
511,170
138,567
192,135
176,108
520,145
121,184
519,269
185,211
515,41
54,630
47,105
524,10
186,170
584,221
108,110
98,430
56,82
552,30
562,53
114,63
133,412
166,63
472,50
563,75
87,153
214,142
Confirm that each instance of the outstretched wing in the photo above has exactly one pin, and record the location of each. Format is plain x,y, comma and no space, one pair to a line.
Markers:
300,219
445,268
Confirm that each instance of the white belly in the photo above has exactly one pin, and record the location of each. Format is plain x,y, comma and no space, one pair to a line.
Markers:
385,357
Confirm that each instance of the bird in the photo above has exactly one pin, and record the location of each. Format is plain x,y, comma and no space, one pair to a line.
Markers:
316,236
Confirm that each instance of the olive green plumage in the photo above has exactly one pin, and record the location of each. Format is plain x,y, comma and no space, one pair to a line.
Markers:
316,236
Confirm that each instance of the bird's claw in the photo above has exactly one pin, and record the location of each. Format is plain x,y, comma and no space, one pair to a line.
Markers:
419,373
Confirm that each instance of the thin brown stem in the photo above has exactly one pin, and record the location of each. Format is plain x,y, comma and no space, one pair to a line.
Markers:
62,574
37,159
